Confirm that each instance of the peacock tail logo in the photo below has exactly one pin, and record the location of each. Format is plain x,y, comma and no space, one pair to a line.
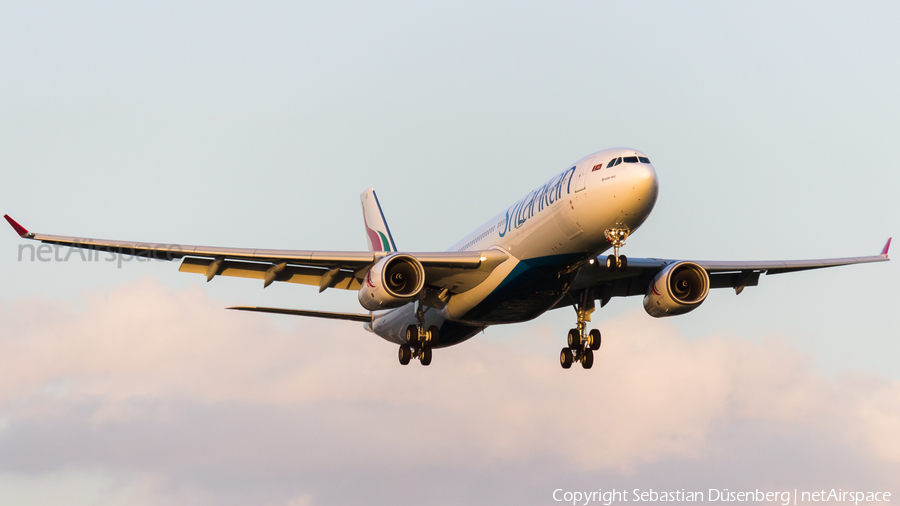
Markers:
378,239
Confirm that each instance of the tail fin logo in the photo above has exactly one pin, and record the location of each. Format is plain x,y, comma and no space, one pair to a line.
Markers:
377,240
377,231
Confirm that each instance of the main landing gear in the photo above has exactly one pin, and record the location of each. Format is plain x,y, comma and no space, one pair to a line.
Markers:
418,339
617,237
581,345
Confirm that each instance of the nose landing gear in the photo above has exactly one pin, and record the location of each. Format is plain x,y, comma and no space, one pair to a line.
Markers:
581,345
616,236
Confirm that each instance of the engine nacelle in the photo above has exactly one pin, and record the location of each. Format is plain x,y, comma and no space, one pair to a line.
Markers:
677,289
392,282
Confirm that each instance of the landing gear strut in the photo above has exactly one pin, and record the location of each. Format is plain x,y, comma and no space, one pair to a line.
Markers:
418,338
616,236
581,344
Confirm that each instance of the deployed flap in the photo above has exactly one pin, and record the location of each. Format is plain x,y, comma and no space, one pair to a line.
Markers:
343,279
455,271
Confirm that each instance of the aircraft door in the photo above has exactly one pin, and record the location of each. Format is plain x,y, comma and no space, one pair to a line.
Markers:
581,173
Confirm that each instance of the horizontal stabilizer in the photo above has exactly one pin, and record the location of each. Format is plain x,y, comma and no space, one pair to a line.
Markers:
355,317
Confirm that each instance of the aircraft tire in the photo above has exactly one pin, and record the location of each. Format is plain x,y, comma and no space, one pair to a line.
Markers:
587,360
412,334
623,263
565,358
405,354
426,356
573,339
595,339
611,263
433,334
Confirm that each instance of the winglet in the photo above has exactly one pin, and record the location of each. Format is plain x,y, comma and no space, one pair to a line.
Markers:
18,228
887,246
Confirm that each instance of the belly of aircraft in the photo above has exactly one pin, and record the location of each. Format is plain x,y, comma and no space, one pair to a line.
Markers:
529,291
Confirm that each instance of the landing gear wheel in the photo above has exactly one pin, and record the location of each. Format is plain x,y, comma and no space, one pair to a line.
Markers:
405,354
574,339
581,343
587,359
616,237
412,335
426,356
594,339
432,335
565,358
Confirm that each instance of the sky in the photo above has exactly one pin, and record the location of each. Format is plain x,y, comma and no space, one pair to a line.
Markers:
772,127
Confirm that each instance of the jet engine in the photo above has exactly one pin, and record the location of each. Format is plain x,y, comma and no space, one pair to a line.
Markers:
677,289
392,282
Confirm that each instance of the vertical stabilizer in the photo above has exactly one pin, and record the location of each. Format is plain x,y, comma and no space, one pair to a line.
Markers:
377,231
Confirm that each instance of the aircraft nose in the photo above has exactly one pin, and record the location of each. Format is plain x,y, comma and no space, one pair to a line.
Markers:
641,178
645,185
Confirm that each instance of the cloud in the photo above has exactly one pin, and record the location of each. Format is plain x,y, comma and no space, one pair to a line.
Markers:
162,391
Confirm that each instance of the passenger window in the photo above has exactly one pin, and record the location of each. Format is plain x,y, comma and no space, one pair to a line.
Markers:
644,159
631,159
611,163
618,160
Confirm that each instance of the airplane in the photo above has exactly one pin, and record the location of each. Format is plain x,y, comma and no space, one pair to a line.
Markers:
543,252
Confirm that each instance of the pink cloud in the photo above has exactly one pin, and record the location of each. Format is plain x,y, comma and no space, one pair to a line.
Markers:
145,358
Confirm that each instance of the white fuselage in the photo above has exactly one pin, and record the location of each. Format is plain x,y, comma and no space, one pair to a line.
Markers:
548,235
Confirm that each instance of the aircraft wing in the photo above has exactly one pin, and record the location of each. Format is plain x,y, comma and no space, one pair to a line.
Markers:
325,269
639,274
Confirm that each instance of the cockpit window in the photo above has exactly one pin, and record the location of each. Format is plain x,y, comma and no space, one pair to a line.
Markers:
618,160
611,163
631,159
644,159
